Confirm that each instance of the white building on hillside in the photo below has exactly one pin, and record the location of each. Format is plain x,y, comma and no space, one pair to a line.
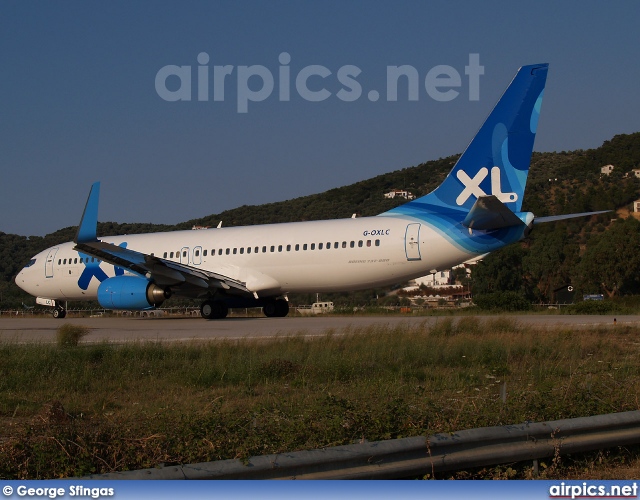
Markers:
607,169
441,278
398,193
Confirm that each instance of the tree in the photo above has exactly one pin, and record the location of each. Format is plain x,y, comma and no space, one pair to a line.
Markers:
500,271
497,281
611,262
552,255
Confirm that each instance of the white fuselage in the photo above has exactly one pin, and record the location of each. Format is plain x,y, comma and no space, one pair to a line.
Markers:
317,256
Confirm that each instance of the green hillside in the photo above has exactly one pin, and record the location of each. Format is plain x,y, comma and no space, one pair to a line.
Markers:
594,254
364,198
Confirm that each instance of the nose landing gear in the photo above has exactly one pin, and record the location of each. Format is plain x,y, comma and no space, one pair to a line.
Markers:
59,312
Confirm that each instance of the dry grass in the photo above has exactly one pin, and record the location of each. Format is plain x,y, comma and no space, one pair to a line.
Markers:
98,408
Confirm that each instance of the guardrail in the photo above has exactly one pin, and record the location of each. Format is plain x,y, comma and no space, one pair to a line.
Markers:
417,456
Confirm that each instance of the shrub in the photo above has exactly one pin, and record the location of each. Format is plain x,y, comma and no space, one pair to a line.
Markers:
593,307
69,335
502,301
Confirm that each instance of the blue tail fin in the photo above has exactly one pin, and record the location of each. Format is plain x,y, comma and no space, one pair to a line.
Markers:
496,162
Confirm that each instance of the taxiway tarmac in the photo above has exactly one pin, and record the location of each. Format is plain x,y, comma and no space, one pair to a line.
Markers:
118,329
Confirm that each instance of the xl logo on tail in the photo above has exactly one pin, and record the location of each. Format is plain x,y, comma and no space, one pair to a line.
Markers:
472,186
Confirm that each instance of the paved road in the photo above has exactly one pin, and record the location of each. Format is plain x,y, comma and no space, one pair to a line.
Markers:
180,329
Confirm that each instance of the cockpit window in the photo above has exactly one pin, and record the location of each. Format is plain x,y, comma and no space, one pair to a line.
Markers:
31,263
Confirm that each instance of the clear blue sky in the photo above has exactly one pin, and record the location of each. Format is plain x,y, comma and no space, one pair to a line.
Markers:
79,100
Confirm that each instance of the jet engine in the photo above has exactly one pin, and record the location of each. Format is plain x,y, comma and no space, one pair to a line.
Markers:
131,293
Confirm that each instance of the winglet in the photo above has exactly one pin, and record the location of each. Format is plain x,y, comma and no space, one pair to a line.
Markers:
87,230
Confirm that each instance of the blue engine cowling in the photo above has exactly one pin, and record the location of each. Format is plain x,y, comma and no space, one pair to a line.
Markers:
131,293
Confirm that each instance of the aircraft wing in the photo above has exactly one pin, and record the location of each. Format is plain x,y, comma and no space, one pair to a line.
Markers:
184,279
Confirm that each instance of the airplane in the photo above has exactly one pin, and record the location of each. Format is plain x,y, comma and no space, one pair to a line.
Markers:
474,211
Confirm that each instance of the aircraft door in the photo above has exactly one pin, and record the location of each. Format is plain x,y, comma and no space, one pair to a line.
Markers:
197,256
412,242
48,265
184,255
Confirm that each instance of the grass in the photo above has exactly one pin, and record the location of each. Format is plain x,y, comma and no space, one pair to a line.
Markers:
98,408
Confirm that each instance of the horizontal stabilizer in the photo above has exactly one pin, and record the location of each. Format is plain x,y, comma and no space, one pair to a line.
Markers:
489,213
554,218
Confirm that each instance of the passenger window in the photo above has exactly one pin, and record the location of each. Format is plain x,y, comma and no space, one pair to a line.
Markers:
228,251
59,261
297,247
248,249
313,246
360,244
344,244
288,248
368,243
184,254
165,255
171,255
304,247
279,248
319,246
352,244
264,249
242,251
235,251
335,245
64,261
328,245
257,249
220,251
204,253
197,253
377,243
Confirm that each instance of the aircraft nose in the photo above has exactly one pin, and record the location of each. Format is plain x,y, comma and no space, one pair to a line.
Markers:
17,279
20,281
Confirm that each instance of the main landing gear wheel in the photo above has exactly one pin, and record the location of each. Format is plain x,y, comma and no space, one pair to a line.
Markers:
278,308
214,309
59,313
